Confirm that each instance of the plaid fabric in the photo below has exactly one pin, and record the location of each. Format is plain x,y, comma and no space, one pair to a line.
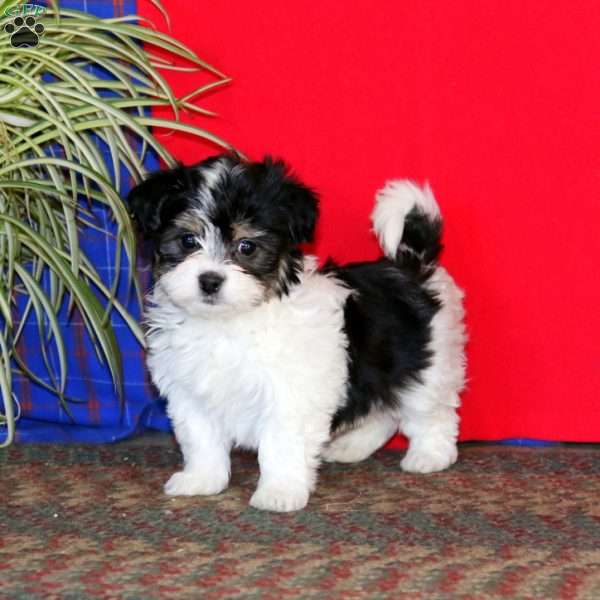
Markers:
99,416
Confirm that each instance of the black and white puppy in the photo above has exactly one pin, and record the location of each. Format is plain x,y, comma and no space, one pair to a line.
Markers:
254,346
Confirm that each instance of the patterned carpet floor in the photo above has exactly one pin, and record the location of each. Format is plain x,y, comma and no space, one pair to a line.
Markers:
92,522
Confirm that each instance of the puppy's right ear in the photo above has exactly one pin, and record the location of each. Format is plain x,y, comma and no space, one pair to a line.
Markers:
157,200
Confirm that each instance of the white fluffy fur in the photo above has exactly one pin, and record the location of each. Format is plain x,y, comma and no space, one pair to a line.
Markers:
241,379
428,410
270,376
392,203
367,436
238,292
212,176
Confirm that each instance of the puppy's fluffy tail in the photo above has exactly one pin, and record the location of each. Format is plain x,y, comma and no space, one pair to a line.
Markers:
408,224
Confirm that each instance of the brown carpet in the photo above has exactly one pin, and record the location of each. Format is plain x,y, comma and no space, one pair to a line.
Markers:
92,522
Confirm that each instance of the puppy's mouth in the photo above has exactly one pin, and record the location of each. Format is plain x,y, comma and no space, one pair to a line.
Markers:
210,300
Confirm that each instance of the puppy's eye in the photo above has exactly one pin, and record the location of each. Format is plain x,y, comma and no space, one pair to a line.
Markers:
246,247
189,241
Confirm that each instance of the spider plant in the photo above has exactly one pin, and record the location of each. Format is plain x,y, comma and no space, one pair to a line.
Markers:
90,83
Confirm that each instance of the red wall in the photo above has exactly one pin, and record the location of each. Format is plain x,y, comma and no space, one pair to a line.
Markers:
497,104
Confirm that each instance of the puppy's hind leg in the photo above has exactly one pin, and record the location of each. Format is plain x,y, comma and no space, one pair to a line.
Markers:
428,409
431,428
359,443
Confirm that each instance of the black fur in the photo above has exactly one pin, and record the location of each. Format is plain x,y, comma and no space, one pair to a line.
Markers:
421,244
268,196
264,193
262,196
155,202
387,321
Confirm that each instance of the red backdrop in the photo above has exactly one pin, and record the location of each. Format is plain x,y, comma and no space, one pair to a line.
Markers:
497,104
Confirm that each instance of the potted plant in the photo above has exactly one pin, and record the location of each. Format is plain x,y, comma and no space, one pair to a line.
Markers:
76,91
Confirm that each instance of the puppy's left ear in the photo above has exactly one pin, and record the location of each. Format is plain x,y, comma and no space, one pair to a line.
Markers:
302,207
155,201
298,204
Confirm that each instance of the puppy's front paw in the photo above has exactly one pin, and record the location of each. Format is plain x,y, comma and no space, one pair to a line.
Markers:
279,498
429,460
194,484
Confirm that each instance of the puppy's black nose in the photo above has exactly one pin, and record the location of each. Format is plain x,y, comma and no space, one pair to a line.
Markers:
210,282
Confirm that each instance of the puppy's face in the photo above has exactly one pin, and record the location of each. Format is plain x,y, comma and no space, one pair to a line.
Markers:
226,232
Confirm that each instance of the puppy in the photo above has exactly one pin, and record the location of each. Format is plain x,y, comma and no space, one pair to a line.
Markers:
253,346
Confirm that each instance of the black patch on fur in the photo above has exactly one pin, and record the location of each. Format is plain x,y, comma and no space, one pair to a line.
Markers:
421,244
263,195
388,325
169,251
155,202
268,197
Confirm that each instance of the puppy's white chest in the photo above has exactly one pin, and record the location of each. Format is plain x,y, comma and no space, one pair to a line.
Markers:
215,373
283,359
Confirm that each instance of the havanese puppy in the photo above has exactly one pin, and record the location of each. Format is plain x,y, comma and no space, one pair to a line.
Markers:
254,346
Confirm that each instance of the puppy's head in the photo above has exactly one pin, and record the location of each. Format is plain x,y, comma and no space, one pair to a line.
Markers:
226,232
